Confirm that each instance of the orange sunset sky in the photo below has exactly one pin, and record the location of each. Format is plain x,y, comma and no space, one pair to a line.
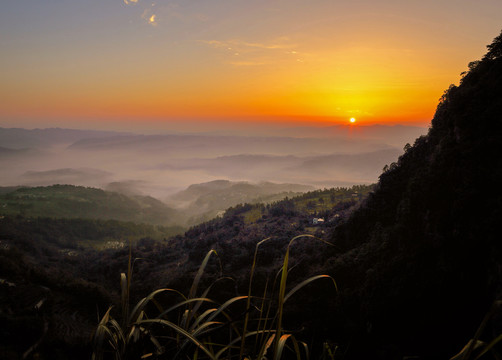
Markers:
170,65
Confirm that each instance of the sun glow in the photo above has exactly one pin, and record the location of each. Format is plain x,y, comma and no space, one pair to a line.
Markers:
182,63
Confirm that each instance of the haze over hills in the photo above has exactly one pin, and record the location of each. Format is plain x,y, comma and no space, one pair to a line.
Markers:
63,176
329,169
4,151
247,168
394,135
17,138
203,202
161,165
196,191
197,203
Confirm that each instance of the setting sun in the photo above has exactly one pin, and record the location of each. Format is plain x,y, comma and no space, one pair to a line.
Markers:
199,66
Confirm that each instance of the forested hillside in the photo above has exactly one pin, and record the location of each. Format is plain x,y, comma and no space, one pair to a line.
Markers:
203,202
68,201
419,265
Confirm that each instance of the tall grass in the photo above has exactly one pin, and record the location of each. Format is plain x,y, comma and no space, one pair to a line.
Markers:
168,324
476,348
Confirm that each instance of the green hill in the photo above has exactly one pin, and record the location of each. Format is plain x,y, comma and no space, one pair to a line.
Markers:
203,202
68,201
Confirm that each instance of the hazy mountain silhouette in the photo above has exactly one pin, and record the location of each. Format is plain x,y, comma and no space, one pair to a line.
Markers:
195,191
212,145
332,169
160,165
17,138
64,176
394,135
8,152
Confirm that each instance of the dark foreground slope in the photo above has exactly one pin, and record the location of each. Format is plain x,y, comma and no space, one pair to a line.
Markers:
420,264
59,275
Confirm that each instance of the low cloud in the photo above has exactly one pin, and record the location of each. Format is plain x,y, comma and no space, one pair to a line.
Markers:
160,165
247,63
244,46
256,53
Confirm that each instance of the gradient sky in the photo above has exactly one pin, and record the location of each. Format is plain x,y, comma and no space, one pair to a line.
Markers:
173,64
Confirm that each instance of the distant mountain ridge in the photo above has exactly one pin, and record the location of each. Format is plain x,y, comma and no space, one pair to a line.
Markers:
63,176
335,168
213,145
10,151
17,138
161,164
399,134
264,188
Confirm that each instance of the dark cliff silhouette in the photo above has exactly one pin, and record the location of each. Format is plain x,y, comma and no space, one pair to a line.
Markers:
420,263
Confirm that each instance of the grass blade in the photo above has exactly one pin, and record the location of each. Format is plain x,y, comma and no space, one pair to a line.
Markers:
249,334
306,282
490,346
281,344
197,278
248,303
140,306
280,302
182,332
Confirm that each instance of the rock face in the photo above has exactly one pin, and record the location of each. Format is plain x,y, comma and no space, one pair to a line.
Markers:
419,264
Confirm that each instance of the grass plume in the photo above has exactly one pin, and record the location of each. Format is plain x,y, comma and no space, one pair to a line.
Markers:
198,327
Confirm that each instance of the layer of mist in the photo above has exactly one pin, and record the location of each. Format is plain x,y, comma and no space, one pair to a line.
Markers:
162,165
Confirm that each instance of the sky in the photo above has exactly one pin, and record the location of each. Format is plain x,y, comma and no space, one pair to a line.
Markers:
189,65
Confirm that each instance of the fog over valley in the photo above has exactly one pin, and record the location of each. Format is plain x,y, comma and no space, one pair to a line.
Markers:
162,165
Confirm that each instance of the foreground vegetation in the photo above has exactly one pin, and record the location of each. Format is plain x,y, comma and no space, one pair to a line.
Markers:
195,326
73,265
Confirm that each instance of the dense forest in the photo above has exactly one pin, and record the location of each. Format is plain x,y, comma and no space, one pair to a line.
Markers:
416,258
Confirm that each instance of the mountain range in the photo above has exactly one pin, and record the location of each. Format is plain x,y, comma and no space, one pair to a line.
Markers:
161,165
